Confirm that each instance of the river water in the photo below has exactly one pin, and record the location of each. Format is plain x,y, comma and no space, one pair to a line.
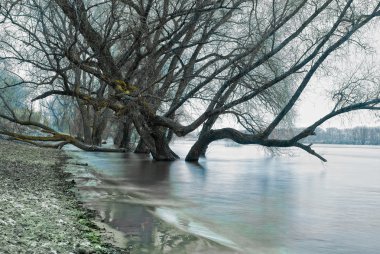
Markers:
239,200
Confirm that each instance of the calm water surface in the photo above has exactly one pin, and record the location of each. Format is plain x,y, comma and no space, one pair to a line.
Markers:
245,199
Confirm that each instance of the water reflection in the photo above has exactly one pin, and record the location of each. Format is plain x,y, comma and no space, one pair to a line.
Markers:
127,196
133,220
242,198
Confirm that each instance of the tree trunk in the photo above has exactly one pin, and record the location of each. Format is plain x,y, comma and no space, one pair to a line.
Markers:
123,135
158,146
151,137
162,151
84,110
99,125
169,135
87,132
86,125
127,135
142,147
199,148
96,135
119,133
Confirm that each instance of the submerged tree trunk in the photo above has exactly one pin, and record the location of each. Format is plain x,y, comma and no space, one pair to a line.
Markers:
153,139
162,150
199,148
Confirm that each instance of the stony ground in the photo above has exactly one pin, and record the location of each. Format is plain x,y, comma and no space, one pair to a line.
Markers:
38,212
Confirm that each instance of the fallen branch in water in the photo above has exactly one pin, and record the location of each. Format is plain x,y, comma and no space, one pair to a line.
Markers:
48,134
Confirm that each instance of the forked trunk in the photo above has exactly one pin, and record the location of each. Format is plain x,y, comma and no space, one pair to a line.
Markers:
153,138
157,145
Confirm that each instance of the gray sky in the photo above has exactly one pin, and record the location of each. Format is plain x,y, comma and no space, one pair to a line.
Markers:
313,106
314,102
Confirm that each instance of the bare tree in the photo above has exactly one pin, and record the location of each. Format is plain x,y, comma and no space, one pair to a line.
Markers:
153,59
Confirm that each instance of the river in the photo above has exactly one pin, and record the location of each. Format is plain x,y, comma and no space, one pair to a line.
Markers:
239,200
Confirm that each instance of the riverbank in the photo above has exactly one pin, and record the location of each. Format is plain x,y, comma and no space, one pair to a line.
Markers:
38,212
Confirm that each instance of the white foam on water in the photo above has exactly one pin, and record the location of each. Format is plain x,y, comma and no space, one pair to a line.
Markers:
184,223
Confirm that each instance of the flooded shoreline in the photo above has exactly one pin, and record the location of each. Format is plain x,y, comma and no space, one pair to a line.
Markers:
240,197
134,219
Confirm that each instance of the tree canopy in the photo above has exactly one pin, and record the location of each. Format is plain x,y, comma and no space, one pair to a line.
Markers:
155,68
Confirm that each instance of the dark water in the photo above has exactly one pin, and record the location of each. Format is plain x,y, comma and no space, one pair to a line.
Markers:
243,198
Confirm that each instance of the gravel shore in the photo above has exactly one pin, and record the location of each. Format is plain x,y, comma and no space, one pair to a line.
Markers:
38,212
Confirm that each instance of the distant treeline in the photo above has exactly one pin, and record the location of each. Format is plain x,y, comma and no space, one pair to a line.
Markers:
352,136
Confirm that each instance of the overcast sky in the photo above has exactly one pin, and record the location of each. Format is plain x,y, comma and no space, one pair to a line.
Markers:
314,103
313,106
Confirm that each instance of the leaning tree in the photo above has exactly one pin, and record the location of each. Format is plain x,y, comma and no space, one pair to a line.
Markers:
154,60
